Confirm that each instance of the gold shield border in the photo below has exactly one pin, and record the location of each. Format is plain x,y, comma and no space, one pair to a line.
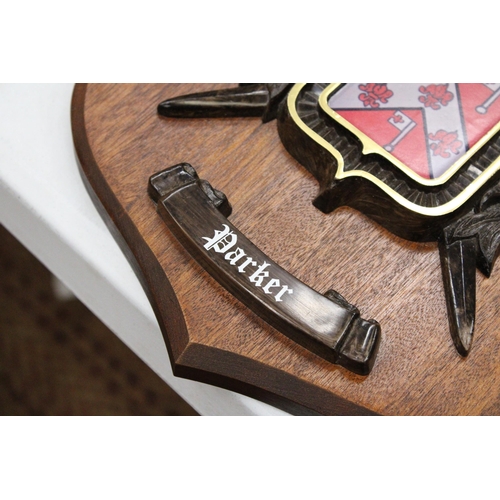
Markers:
369,146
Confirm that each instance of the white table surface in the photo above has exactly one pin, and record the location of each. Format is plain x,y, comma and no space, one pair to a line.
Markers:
45,205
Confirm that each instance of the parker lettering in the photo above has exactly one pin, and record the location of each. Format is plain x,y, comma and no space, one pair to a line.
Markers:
224,241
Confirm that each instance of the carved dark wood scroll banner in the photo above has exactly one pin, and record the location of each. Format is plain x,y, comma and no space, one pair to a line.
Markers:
327,325
395,276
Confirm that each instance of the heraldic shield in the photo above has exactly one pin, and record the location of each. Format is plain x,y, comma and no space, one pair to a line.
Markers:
420,160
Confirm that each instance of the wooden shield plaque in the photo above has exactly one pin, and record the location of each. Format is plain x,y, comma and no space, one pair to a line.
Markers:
211,334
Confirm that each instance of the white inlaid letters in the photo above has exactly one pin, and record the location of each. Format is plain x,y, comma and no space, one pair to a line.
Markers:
283,290
260,274
235,256
222,240
249,260
225,240
271,284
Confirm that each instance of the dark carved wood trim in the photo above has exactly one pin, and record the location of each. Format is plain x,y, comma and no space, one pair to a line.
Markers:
362,194
325,324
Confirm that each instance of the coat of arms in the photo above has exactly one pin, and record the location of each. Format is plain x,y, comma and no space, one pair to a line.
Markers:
421,159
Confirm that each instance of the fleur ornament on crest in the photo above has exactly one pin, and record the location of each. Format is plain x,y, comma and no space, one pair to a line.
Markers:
435,96
374,92
446,142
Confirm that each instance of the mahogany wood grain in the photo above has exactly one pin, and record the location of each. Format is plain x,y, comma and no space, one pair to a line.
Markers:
121,141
